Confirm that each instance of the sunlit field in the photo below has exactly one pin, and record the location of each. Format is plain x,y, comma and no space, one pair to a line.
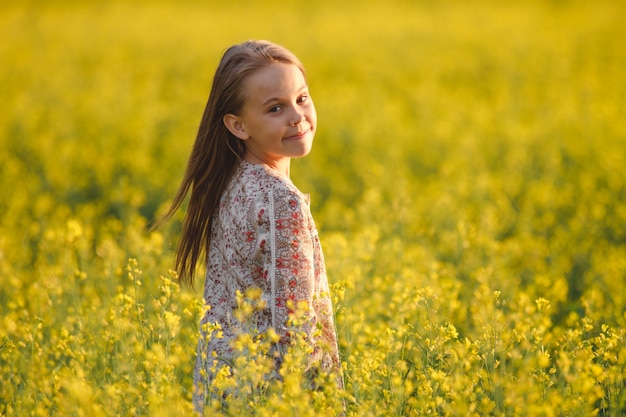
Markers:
468,179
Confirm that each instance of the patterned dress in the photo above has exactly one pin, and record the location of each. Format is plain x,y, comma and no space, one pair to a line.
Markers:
264,237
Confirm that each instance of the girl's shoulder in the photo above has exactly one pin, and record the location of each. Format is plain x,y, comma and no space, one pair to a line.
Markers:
256,191
259,181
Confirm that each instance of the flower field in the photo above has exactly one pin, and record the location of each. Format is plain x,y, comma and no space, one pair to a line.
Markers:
468,180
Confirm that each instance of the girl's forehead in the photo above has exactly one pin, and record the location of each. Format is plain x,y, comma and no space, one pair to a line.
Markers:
276,79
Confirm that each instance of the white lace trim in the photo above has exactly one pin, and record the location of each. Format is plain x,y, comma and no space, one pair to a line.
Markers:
272,266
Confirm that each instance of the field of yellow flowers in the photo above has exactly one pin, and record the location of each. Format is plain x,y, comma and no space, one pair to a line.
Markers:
468,180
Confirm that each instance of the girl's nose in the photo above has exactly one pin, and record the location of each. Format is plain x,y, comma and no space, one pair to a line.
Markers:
298,117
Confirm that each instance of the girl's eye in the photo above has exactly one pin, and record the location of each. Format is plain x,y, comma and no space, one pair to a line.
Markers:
274,109
302,99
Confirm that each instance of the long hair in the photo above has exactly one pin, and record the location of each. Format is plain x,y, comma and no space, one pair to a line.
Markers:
216,152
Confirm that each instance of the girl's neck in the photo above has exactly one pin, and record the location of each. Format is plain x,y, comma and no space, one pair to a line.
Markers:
280,167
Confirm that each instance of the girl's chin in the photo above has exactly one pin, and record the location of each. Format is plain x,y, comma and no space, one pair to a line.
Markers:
299,148
304,150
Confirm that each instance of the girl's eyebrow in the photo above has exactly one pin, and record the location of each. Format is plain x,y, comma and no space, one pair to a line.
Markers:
269,100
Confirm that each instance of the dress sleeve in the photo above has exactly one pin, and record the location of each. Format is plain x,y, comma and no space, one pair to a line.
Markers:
292,269
290,260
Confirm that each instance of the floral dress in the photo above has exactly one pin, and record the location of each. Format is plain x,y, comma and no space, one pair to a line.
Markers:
264,237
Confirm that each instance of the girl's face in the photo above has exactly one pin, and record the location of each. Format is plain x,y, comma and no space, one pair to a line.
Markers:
278,119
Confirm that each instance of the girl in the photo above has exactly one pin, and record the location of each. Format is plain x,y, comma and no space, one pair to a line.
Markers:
246,215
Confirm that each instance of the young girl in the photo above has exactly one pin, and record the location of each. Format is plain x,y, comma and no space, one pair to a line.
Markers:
246,215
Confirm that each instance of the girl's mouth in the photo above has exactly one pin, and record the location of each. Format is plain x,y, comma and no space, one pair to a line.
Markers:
298,135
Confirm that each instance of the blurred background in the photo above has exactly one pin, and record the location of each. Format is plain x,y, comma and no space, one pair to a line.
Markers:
468,147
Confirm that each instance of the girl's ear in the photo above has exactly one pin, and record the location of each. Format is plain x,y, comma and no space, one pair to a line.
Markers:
235,125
